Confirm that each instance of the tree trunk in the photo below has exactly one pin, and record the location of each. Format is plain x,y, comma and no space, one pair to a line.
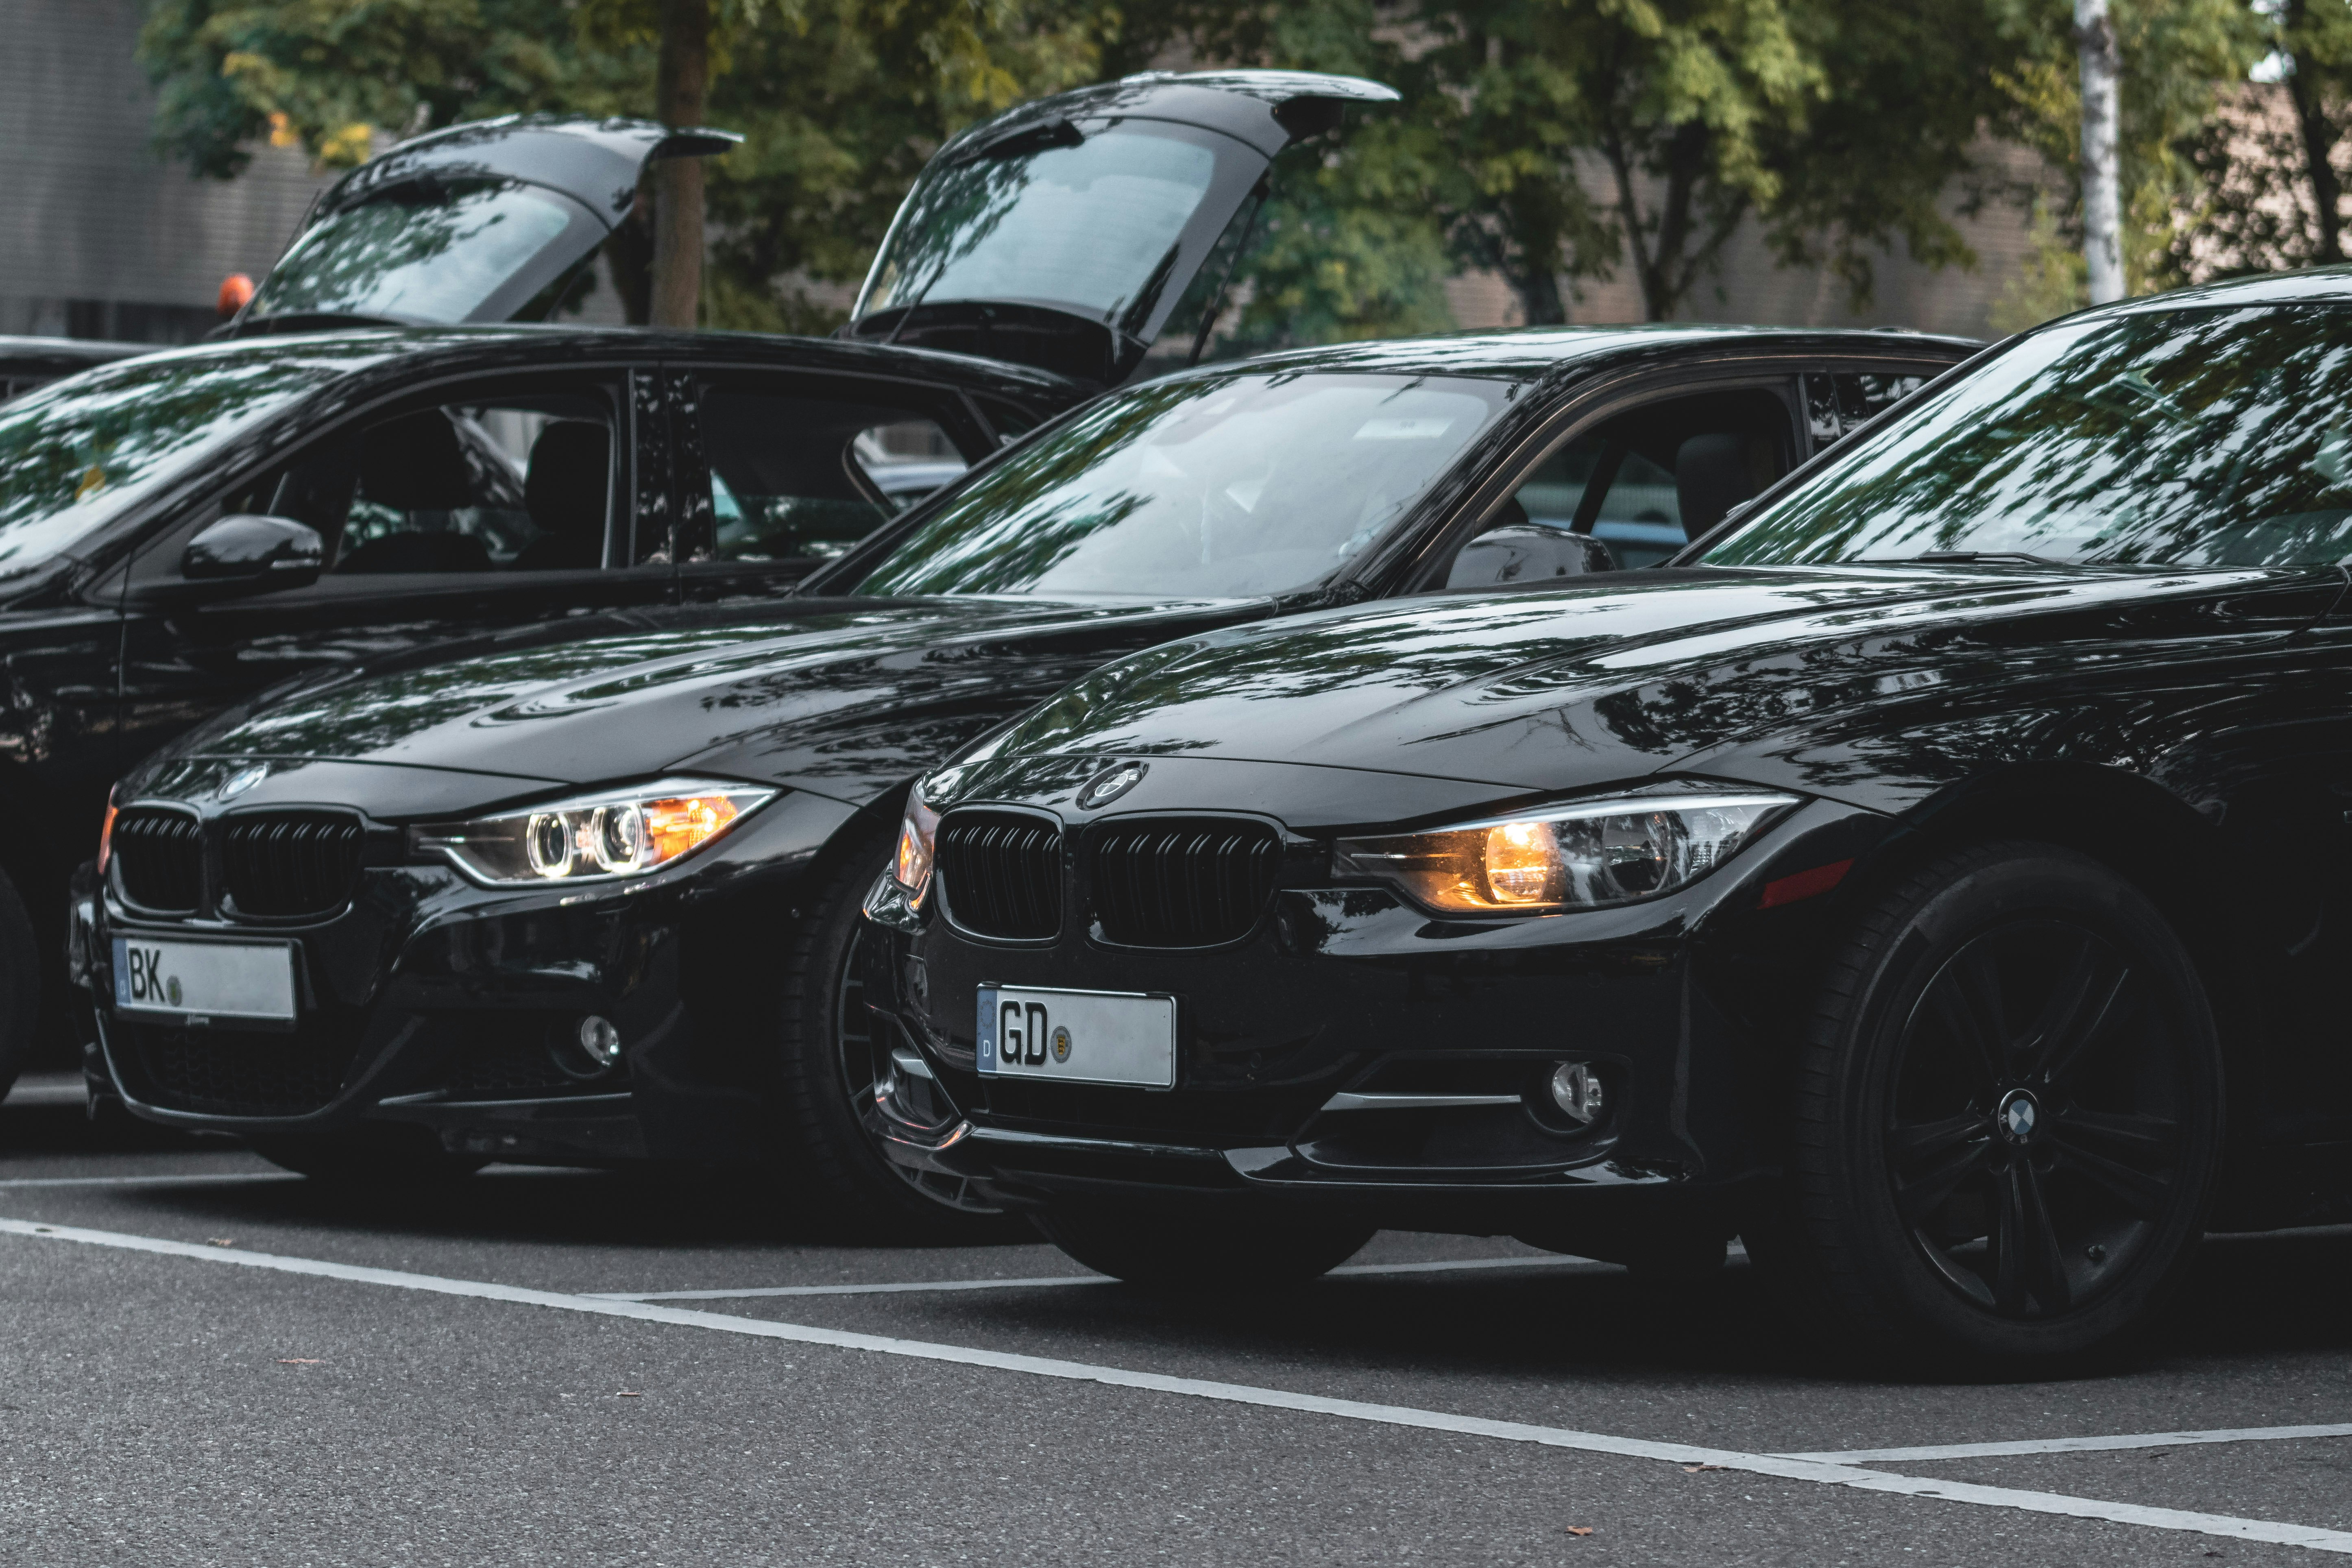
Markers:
683,85
2318,133
2103,221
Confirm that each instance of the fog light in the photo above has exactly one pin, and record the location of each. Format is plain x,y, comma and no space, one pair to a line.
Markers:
602,1041
1576,1089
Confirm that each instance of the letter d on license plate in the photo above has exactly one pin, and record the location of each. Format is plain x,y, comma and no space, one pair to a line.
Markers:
1077,1036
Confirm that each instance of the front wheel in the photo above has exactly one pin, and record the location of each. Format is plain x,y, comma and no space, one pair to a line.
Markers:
832,1053
2008,1114
1201,1252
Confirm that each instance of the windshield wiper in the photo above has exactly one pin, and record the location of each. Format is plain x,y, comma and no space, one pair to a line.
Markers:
1960,557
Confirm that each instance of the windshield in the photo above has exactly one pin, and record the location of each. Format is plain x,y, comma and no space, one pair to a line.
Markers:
2207,436
75,454
1093,224
416,253
1207,486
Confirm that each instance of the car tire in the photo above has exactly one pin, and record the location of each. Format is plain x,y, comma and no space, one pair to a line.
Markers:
2007,1117
20,986
829,1057
1193,1252
369,1158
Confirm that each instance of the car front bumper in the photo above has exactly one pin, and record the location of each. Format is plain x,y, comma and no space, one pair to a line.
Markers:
1294,1044
433,1001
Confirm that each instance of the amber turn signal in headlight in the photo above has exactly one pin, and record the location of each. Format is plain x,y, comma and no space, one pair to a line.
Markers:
1584,854
917,836
624,832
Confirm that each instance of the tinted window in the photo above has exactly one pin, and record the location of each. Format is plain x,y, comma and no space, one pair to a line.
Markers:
1206,486
793,477
2192,437
74,455
1090,225
417,253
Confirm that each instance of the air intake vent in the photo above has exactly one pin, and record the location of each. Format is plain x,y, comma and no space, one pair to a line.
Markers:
1003,873
288,863
159,860
1183,881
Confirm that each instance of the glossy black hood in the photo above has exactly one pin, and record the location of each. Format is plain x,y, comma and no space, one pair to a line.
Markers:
847,698
1754,673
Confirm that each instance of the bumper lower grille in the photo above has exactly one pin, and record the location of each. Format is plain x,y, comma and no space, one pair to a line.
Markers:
159,859
1183,881
289,864
1003,873
221,1072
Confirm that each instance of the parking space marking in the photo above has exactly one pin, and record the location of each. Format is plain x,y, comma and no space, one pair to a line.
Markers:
2077,1445
147,1180
1772,1464
1556,1265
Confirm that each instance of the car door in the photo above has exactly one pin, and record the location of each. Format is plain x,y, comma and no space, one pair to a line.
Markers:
781,470
477,504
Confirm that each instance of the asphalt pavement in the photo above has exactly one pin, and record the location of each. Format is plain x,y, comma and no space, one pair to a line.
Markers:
213,1363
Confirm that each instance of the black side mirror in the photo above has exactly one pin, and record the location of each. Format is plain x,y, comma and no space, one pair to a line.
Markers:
1528,553
266,551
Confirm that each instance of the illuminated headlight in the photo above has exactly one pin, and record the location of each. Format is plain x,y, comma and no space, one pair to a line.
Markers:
600,837
917,839
1586,855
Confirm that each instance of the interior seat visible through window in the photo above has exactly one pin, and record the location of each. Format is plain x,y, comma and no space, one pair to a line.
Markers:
564,493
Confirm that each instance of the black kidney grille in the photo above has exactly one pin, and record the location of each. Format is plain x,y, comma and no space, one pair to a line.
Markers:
159,860
290,863
1003,873
1182,882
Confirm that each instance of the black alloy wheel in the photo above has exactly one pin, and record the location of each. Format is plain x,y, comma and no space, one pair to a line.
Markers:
831,1058
2009,1113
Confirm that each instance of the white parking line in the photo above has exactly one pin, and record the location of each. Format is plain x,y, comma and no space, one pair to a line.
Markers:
147,1180
2270,1530
2077,1445
1571,1264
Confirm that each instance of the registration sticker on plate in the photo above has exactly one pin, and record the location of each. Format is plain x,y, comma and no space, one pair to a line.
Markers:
1077,1036
205,979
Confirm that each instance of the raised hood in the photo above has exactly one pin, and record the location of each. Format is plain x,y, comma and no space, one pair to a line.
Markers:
1064,233
1611,679
483,221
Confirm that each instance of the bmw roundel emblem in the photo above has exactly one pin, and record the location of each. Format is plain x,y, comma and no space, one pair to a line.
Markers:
243,779
1110,784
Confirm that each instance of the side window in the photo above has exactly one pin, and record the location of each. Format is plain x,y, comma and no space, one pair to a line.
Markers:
799,477
1838,406
1643,485
513,481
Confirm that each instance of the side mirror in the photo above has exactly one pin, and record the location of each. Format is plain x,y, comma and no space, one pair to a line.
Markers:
1528,553
266,551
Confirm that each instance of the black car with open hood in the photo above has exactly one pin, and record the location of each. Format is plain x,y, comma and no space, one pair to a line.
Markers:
1942,880
591,892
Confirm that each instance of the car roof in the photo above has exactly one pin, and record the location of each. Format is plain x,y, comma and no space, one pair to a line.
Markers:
1529,353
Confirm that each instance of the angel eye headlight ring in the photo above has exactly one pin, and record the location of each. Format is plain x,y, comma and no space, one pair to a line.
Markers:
610,835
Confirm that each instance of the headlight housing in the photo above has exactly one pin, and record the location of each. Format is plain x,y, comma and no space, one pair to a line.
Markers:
1583,854
918,833
604,836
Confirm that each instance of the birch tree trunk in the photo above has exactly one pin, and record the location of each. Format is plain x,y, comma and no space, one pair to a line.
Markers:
680,92
2094,42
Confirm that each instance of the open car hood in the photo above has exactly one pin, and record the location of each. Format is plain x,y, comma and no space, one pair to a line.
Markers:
483,222
1065,234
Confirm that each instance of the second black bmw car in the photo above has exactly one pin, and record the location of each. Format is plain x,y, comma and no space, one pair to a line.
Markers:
592,893
1942,882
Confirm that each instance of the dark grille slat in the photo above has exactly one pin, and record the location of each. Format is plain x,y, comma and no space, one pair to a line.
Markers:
1003,873
159,860
1182,882
286,865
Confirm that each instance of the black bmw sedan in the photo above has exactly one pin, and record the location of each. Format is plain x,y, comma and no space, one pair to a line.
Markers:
1940,881
592,894
179,532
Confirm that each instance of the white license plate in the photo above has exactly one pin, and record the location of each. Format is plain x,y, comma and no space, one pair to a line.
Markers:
205,979
1077,1036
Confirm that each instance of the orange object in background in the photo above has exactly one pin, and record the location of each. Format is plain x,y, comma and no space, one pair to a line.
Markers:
235,291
